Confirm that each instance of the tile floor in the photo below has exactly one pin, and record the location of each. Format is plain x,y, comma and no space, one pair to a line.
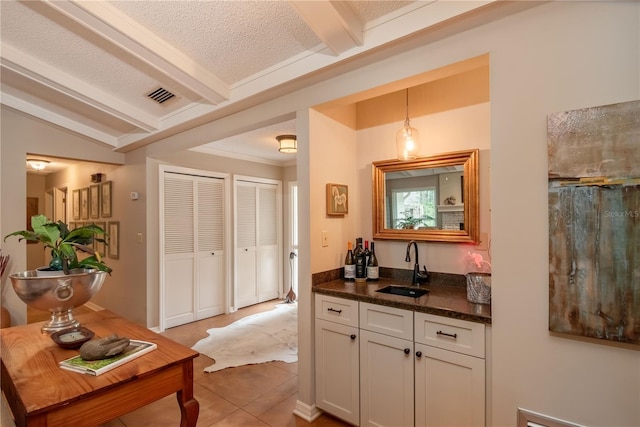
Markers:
260,395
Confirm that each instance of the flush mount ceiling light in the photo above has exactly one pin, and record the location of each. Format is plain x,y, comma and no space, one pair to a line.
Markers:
288,143
37,164
407,139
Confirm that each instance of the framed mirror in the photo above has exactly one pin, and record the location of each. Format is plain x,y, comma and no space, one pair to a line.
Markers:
428,199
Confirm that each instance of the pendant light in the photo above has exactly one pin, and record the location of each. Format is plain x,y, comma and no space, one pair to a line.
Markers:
407,139
288,143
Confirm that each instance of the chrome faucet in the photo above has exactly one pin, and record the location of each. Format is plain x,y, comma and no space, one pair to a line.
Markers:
418,276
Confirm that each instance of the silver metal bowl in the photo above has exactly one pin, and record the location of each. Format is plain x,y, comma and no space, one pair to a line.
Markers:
58,293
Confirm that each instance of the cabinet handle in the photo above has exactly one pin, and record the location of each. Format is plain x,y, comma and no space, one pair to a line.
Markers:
454,336
213,253
407,350
334,310
418,354
353,337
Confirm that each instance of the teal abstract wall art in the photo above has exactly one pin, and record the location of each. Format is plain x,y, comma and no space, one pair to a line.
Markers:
594,222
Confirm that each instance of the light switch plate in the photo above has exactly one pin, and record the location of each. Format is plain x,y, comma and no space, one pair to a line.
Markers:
325,239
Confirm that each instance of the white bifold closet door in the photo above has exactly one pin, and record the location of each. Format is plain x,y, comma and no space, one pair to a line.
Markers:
258,262
194,273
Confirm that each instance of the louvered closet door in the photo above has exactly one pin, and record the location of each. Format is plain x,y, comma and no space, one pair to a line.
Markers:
268,267
210,244
246,240
179,250
194,260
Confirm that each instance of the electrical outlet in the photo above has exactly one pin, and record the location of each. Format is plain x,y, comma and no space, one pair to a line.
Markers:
325,239
139,237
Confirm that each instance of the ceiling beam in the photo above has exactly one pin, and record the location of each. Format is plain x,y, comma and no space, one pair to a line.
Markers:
334,23
44,74
58,120
136,40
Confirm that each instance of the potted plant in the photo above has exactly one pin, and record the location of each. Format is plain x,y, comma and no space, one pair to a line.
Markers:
71,281
65,244
409,222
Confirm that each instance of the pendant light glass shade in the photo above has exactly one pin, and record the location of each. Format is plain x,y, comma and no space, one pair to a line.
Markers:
288,143
407,139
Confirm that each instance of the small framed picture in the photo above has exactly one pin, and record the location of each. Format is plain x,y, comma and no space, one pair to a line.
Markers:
76,204
94,201
98,246
105,199
337,199
113,228
84,203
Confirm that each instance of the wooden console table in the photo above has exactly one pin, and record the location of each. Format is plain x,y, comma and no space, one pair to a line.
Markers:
41,394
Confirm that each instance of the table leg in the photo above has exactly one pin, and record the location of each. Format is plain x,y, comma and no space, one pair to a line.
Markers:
189,406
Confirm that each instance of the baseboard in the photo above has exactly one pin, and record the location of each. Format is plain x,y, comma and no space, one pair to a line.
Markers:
306,412
92,306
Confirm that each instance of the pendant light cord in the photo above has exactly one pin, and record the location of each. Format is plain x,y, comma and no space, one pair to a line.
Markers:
406,121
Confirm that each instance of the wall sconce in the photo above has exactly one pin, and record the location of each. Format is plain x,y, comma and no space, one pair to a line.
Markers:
37,164
407,139
288,143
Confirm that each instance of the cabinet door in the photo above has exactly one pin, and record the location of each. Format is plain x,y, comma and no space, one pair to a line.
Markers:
449,388
386,380
337,370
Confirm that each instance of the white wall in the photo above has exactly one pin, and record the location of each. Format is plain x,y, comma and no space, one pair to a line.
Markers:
558,57
554,57
454,130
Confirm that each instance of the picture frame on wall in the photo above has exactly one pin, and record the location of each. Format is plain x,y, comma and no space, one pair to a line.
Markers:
94,201
99,246
337,199
105,199
76,204
113,228
84,203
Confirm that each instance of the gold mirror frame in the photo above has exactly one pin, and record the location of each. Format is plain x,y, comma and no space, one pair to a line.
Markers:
468,159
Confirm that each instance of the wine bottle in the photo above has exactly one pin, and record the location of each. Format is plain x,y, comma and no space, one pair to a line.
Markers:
367,252
361,261
349,265
373,271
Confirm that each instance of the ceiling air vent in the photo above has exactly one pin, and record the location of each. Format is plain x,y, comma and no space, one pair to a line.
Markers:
161,95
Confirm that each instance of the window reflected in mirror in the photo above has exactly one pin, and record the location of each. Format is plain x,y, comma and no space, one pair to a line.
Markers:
431,198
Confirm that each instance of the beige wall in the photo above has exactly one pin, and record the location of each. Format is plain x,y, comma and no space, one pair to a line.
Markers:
19,135
439,133
553,57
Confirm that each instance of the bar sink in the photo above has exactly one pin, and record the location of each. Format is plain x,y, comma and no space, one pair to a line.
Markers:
404,291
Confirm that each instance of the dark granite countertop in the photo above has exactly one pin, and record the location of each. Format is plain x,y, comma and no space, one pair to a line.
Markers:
442,299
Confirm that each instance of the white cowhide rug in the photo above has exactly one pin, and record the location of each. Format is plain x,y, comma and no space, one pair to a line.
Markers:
259,338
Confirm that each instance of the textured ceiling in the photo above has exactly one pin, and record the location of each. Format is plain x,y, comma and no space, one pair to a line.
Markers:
88,66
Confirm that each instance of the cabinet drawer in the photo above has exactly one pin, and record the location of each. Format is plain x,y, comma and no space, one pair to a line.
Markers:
387,320
338,310
450,334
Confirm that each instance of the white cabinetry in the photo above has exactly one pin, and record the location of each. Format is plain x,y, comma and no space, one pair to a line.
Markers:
386,366
336,336
413,369
449,372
